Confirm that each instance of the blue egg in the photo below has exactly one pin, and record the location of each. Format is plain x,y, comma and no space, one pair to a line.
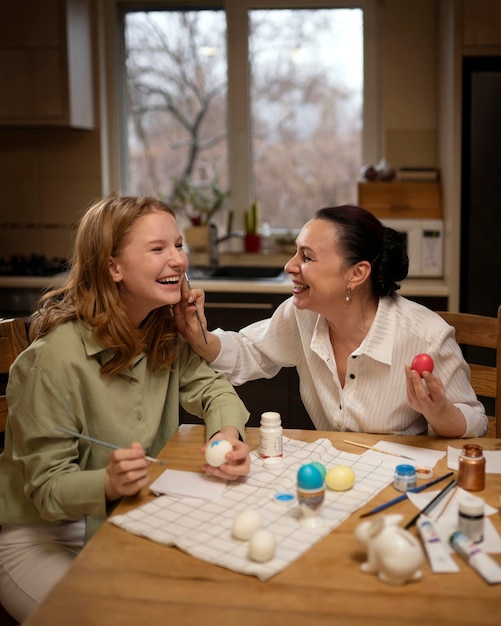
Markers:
309,477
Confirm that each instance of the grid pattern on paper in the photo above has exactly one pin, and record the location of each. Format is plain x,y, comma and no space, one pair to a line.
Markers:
203,528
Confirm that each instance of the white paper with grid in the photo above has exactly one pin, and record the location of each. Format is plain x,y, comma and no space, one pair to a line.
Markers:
203,527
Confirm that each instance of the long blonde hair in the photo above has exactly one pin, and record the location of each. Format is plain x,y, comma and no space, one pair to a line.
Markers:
91,296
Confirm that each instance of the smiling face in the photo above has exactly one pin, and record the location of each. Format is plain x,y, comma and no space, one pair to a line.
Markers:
319,273
150,264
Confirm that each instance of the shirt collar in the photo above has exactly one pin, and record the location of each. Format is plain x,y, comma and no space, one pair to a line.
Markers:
378,344
95,349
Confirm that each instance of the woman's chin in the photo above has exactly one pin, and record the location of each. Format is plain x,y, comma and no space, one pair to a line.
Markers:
299,300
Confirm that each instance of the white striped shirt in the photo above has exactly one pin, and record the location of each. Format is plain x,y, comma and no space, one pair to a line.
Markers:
373,398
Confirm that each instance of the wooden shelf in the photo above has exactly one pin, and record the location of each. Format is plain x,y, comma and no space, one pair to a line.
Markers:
401,199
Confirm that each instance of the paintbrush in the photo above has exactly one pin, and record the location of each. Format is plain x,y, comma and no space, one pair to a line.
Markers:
432,504
103,443
404,496
363,445
196,311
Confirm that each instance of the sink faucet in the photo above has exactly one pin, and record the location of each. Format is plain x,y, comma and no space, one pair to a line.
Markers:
214,241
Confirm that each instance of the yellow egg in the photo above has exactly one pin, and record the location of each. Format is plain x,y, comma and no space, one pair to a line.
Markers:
340,478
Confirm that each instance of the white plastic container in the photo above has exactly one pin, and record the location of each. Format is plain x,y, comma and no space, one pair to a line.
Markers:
270,436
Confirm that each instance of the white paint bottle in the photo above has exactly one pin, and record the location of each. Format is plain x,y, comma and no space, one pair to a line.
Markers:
271,436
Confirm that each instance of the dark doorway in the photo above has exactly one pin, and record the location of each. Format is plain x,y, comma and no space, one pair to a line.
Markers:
480,288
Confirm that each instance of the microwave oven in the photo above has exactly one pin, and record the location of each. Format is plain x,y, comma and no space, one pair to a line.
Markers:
425,245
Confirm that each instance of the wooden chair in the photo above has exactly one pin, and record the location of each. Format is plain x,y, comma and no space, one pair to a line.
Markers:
13,340
481,331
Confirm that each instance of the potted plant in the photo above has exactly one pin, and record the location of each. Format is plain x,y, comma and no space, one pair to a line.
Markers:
252,239
199,202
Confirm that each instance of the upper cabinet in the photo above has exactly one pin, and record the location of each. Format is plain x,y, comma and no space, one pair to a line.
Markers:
46,64
481,23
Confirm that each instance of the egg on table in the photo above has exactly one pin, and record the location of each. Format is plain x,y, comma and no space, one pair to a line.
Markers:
340,478
246,523
320,467
262,546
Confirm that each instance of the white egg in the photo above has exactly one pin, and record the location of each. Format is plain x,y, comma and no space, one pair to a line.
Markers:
262,546
216,452
246,523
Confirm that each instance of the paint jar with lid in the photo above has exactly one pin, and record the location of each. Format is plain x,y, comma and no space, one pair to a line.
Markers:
471,517
405,477
471,475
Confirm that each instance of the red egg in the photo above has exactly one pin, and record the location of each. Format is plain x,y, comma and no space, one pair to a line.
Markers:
422,363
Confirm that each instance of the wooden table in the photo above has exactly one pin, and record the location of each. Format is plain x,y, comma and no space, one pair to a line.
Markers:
123,579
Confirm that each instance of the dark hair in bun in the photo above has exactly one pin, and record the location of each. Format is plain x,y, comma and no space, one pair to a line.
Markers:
362,237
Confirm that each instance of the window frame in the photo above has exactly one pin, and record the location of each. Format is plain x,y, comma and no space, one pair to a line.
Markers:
110,37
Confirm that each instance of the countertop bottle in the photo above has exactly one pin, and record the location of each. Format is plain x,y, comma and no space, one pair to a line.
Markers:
270,436
471,475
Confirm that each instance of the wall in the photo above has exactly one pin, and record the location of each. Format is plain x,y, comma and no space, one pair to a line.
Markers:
409,59
48,177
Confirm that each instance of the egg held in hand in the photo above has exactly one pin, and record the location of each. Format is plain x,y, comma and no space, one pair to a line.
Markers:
216,451
340,478
422,363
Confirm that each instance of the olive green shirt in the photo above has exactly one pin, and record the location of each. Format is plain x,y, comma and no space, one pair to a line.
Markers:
48,477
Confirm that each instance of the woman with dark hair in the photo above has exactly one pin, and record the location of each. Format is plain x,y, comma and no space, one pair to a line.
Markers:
106,361
351,337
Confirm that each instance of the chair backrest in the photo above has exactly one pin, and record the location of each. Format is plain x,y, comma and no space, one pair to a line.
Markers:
481,331
13,340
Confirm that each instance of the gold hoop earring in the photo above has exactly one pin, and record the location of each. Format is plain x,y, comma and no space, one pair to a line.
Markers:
347,299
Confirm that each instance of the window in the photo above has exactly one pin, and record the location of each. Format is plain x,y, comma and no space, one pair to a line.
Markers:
277,117
175,83
306,109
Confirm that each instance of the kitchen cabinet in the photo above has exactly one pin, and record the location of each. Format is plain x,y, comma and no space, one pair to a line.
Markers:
45,64
481,23
232,311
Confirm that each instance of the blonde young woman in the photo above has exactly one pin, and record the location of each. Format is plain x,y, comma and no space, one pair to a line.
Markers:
351,337
106,360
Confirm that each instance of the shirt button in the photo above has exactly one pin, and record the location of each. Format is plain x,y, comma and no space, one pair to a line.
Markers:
139,417
340,407
352,376
133,381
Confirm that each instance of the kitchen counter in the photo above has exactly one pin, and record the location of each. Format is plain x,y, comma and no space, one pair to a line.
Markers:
31,282
418,287
432,287
422,287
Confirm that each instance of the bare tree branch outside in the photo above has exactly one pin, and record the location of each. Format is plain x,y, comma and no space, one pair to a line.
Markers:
306,96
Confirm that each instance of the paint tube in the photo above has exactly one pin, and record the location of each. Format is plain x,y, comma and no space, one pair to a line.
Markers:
478,560
441,562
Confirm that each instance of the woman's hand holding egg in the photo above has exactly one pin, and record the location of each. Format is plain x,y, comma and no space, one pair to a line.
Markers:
226,455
